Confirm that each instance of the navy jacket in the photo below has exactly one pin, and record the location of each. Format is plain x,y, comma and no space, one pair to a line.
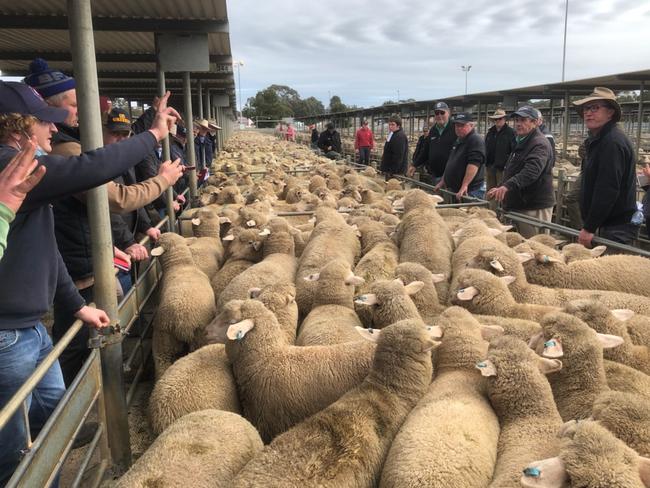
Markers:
394,159
32,273
204,151
434,155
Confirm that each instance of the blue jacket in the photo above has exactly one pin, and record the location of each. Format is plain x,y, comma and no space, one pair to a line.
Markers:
204,150
32,273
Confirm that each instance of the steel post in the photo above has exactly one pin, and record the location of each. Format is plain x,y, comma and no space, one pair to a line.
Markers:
206,102
199,101
166,153
85,68
639,120
191,155
567,122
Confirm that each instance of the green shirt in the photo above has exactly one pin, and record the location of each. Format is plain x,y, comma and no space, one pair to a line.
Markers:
441,130
520,139
6,217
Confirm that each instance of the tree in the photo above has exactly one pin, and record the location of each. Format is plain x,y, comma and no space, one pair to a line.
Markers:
336,105
278,101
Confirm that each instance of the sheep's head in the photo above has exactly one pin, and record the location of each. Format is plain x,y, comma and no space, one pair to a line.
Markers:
578,252
253,314
591,311
416,198
481,292
409,272
500,261
390,300
172,250
458,322
245,244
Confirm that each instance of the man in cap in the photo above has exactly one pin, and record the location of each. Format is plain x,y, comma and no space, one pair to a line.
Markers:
499,142
314,136
527,185
442,137
32,272
329,142
364,142
608,194
464,172
203,145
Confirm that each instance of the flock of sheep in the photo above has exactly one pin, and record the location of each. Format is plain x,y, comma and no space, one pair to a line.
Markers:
385,341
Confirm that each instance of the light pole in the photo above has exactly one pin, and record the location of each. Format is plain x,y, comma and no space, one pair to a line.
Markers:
237,64
398,95
566,18
466,70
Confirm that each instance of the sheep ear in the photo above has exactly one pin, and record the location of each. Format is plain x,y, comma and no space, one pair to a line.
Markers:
434,331
157,251
228,237
312,277
413,287
225,220
371,335
486,368
354,280
466,294
506,228
312,220
524,257
547,366
239,330
535,340
644,471
545,259
491,331
196,221
438,278
495,232
622,314
251,223
598,251
367,299
609,341
549,473
553,349
254,292
429,345
265,232
508,280
496,264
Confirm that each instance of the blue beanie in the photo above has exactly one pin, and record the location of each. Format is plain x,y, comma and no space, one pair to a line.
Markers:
48,82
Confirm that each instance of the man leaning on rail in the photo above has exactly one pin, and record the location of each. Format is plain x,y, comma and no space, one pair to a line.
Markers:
32,272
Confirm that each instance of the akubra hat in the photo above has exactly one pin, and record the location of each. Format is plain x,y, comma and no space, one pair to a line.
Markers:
498,114
601,93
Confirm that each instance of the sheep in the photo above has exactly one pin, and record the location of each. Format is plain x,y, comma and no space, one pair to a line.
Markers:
201,380
392,184
229,195
316,182
481,292
279,384
593,274
627,416
332,319
582,377
511,239
505,261
202,449
547,240
245,250
185,307
578,252
450,437
389,302
590,457
332,238
346,444
523,401
423,237
277,266
601,319
623,378
207,249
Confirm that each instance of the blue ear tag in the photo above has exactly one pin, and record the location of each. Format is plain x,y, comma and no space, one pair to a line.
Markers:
239,335
533,472
550,343
370,330
462,290
481,365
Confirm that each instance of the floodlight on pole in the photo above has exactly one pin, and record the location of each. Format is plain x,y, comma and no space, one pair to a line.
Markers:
466,70
566,19
238,64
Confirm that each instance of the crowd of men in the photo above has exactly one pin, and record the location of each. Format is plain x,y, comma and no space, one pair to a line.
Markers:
45,240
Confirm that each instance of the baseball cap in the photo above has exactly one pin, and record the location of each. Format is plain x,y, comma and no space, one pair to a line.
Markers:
117,120
441,106
526,111
22,99
462,118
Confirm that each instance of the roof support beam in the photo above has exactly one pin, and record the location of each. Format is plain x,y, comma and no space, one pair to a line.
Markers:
115,57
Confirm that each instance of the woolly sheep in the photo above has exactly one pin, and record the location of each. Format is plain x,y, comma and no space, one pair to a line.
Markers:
280,384
450,437
346,444
207,250
186,303
423,237
202,449
627,416
577,252
389,302
547,240
590,457
523,401
332,319
201,380
602,320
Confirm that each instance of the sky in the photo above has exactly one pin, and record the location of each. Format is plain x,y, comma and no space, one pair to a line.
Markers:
365,51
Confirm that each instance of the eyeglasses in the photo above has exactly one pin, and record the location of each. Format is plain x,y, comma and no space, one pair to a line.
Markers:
593,107
439,112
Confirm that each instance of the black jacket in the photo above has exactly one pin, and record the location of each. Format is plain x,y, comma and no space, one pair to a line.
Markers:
608,193
125,226
468,150
204,148
422,140
314,136
329,139
434,155
498,146
528,174
396,153
32,273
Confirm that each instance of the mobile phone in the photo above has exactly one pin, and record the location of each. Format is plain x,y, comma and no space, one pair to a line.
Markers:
188,168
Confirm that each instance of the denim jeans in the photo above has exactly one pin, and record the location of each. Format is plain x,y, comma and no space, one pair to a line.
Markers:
21,351
364,155
623,233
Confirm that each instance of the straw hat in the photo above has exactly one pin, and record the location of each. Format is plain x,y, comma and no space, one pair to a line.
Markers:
203,123
498,114
213,125
601,93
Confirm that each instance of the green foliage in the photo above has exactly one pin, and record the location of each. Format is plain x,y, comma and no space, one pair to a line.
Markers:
336,105
278,101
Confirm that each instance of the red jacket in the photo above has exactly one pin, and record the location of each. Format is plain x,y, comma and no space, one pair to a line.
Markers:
364,138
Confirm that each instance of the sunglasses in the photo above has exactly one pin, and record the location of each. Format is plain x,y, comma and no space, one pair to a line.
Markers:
593,108
440,112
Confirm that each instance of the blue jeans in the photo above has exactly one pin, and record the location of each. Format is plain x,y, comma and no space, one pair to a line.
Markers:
21,351
364,155
623,233
124,278
480,193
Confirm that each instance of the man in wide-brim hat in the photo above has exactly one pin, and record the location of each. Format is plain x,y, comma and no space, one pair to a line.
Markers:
608,193
203,144
499,142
